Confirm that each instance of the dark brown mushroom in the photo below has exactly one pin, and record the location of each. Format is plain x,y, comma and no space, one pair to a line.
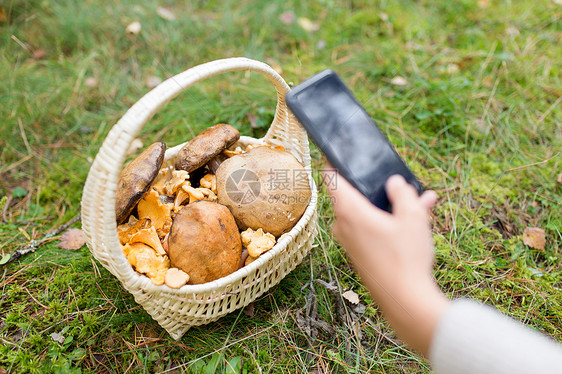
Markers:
135,179
205,146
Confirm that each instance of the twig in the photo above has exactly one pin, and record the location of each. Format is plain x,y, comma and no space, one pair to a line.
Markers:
34,244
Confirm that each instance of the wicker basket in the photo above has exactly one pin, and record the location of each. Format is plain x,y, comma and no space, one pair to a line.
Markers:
177,310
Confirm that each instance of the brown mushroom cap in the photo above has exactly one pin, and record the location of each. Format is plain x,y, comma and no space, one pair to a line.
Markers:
264,188
135,179
204,242
201,149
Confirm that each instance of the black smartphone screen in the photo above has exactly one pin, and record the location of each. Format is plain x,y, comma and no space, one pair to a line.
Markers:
347,135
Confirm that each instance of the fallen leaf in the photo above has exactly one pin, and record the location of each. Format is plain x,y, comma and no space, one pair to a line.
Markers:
399,81
38,54
133,28
165,13
288,18
249,310
57,337
72,239
91,82
534,237
153,81
308,25
351,296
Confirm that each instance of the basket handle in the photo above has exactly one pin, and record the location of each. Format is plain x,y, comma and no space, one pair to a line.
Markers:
98,199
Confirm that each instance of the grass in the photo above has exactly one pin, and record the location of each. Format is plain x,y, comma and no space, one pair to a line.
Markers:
479,121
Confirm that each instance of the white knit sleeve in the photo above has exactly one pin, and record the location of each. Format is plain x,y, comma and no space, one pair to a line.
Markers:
475,338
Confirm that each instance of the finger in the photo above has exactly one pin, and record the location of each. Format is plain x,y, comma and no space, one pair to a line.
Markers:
348,201
428,199
401,195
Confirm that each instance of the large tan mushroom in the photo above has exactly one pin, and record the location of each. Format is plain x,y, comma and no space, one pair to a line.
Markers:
205,146
135,179
264,188
204,242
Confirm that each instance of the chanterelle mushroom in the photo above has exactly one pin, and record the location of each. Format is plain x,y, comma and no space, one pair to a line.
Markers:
135,179
146,261
151,207
149,237
257,242
209,181
205,146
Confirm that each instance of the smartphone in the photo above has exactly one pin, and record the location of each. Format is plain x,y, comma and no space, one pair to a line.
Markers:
346,134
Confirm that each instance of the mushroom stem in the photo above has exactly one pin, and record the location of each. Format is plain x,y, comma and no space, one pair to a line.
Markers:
215,162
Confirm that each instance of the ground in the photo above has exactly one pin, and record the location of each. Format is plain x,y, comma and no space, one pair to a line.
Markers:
469,92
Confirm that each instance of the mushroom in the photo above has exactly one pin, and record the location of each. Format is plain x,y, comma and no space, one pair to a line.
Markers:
146,261
209,181
249,260
204,242
149,237
151,207
179,178
175,278
264,188
243,258
126,230
257,242
230,153
205,146
135,179
164,175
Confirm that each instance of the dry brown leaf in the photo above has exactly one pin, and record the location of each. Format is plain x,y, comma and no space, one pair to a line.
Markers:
250,310
534,237
351,296
72,239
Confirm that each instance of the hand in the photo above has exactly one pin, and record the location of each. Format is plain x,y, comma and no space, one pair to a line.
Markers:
393,254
